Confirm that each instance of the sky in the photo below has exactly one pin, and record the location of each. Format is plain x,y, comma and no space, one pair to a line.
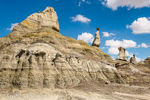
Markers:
123,23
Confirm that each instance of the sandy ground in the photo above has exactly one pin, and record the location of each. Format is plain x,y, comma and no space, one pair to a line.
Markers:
83,91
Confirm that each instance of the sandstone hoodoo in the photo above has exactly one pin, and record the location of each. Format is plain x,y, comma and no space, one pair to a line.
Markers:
133,60
96,41
122,54
37,22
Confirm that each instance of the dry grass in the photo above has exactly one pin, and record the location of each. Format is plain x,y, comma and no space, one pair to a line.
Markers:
57,39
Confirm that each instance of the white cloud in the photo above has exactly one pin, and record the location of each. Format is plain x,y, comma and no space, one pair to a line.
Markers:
80,18
113,51
115,44
88,2
106,34
79,3
87,37
129,54
138,59
104,48
138,46
12,26
140,26
84,1
144,45
124,43
114,4
103,3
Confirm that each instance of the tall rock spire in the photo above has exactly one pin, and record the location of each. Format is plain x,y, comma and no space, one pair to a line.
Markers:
96,41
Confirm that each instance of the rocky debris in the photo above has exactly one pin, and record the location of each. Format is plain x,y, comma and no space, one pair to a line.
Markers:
133,60
37,22
96,41
122,54
131,73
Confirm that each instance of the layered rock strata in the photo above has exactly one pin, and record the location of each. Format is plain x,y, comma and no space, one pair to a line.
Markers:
41,65
37,22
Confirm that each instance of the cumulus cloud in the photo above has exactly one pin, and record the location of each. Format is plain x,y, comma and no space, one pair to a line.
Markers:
115,44
140,26
113,51
114,4
12,26
124,43
104,48
138,46
87,37
106,34
144,45
138,59
80,18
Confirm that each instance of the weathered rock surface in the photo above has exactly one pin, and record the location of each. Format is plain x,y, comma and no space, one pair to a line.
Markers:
96,41
41,65
133,60
122,54
37,22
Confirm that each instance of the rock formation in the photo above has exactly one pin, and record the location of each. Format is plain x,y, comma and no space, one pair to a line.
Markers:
46,59
122,54
96,41
133,60
37,22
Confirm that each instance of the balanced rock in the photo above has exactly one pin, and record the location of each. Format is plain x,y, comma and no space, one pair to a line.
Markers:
122,54
133,60
42,21
96,41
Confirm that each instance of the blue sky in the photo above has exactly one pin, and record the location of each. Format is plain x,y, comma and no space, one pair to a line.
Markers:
122,22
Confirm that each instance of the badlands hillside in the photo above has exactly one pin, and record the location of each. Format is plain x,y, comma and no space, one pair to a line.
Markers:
38,63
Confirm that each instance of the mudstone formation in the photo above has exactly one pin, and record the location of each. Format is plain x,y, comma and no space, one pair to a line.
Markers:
36,22
35,55
96,41
122,54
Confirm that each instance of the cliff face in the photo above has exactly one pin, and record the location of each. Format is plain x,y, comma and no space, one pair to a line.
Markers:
42,57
